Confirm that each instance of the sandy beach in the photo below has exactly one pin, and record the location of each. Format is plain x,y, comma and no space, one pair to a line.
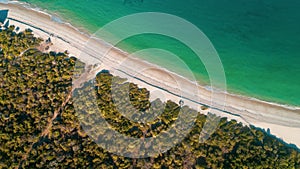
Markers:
283,121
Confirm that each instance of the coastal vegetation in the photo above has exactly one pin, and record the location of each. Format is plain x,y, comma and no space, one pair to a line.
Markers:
39,127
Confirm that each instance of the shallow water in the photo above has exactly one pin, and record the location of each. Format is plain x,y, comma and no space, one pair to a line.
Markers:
258,41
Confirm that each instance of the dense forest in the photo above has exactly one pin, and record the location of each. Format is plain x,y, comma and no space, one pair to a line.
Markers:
39,127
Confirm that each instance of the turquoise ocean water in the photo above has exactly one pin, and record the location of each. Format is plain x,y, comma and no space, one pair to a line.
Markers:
258,41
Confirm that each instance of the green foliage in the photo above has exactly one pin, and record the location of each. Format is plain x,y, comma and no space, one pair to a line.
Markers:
34,85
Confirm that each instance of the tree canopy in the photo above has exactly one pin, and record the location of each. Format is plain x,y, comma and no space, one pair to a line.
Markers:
39,127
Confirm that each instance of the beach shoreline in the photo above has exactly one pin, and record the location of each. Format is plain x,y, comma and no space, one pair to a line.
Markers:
279,119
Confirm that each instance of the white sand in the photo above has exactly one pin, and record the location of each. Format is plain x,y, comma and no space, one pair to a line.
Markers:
284,122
